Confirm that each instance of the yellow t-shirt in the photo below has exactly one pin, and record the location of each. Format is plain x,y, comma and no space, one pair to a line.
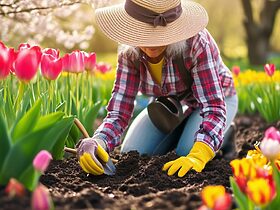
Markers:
156,70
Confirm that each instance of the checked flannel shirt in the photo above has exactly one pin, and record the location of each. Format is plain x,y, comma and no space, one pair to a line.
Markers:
212,81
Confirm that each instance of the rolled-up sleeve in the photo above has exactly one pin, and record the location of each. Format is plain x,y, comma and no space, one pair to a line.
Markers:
121,104
208,91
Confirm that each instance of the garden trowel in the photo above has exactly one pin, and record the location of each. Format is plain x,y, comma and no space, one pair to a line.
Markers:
109,167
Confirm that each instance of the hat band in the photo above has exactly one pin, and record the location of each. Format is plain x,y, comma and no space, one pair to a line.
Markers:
148,16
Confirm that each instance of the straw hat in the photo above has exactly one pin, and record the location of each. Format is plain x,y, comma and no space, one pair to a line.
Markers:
151,22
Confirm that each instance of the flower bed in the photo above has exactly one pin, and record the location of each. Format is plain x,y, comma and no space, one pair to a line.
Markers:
139,182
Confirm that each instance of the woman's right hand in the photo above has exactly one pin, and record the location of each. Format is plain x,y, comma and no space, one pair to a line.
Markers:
89,154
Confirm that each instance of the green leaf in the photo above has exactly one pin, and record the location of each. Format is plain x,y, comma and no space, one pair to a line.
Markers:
91,117
5,141
58,149
60,106
21,155
27,122
276,177
30,177
9,111
241,199
46,120
23,152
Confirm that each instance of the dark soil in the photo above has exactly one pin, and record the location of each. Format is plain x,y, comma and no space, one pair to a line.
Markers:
139,182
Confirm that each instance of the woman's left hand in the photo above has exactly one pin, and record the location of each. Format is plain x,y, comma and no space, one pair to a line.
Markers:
199,155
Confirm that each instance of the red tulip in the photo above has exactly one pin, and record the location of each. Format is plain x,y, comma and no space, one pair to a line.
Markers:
27,63
235,70
103,67
15,188
90,61
269,69
42,160
74,62
41,199
51,51
51,67
223,202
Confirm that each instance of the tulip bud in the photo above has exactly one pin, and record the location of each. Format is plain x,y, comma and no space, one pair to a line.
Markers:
41,199
90,61
270,145
42,160
235,70
14,188
103,67
223,202
269,69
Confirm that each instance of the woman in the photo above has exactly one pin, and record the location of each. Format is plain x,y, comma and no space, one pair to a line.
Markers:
157,33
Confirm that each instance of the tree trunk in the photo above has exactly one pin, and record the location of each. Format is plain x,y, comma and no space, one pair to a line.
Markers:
257,44
259,32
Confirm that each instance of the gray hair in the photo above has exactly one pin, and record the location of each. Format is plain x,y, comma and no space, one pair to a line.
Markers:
171,50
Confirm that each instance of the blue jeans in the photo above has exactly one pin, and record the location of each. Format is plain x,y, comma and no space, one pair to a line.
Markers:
145,138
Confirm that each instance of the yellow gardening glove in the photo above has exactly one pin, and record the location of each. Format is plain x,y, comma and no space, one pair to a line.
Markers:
199,155
89,154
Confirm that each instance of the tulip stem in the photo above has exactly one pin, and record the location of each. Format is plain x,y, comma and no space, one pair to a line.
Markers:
19,95
77,93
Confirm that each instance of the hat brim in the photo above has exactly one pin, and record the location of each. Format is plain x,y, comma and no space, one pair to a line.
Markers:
122,28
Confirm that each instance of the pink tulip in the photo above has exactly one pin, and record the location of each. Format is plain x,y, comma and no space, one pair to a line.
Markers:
270,145
51,67
235,70
90,61
27,63
14,188
74,62
272,133
51,51
269,69
103,67
23,46
41,199
6,60
42,160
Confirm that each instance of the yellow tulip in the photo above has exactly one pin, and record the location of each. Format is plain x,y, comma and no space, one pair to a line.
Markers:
261,191
210,193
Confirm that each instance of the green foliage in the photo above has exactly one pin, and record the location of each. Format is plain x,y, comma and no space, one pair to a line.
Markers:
20,144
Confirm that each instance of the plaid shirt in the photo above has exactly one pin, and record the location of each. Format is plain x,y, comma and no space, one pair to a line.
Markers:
212,81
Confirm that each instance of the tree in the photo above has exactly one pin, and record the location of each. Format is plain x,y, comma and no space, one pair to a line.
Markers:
259,30
53,21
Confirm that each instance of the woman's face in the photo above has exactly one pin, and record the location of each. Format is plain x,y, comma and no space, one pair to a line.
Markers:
153,52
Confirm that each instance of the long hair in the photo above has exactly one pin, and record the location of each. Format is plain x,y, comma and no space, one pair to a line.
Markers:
171,51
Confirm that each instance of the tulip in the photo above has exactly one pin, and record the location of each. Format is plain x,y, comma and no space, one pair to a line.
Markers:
277,163
216,198
51,67
103,67
261,191
269,69
243,170
90,61
74,62
7,57
235,70
51,51
270,145
23,46
42,160
272,133
41,199
27,63
14,188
